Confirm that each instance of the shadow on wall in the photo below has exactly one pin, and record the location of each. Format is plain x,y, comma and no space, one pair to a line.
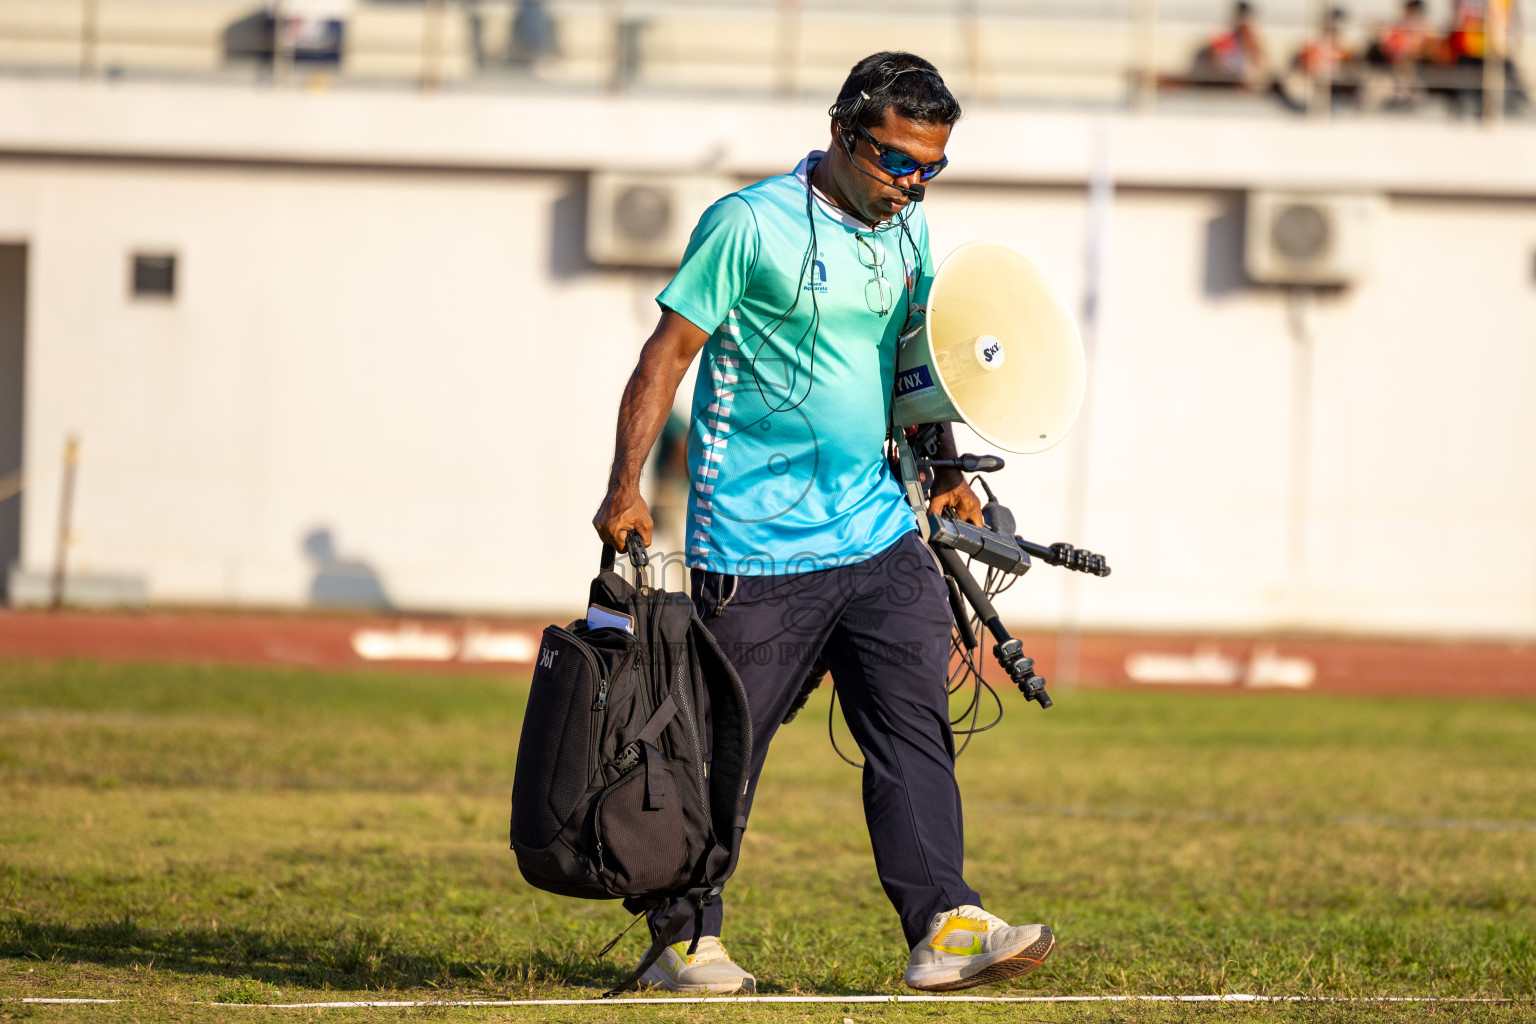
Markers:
568,237
317,43
1225,237
249,39
341,582
13,331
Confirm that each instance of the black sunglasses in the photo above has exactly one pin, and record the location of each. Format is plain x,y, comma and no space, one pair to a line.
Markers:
891,160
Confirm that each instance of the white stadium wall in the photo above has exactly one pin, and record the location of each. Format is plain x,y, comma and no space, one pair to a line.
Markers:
1416,507
385,328
389,357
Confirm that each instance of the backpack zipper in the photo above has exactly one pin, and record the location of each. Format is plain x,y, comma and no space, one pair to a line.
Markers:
597,667
594,728
602,682
597,829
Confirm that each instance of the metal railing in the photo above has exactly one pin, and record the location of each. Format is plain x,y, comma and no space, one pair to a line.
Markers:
1112,53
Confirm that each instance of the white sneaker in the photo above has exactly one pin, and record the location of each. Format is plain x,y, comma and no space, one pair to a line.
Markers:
968,946
709,970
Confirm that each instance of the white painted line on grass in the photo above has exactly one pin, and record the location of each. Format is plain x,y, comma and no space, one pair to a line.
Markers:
1235,997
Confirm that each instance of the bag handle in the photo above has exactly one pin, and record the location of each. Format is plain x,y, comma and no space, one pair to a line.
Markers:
635,548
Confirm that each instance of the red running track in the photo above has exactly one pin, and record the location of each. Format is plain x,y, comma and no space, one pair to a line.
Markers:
1183,662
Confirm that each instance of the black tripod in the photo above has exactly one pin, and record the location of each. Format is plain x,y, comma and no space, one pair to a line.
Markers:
959,546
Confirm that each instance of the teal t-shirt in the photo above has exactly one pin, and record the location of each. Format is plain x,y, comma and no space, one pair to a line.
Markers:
786,446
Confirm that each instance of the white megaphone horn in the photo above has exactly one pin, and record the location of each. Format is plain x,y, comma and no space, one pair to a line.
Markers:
996,349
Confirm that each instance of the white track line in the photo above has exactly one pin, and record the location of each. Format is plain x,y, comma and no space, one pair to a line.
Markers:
676,1000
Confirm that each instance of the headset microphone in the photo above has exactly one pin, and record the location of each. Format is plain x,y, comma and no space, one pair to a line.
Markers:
914,192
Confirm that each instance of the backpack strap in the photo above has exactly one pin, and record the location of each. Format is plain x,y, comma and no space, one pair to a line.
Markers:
655,781
661,941
650,732
731,753
615,940
637,557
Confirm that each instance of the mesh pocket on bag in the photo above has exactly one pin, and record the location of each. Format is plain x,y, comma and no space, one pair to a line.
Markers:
642,848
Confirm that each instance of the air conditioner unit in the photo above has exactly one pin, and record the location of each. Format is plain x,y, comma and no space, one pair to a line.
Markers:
1310,237
645,219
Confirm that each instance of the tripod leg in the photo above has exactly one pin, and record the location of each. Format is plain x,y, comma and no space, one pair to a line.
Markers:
1009,651
962,617
955,569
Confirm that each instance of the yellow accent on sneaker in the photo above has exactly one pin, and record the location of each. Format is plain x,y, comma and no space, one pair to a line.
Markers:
1005,951
960,924
709,970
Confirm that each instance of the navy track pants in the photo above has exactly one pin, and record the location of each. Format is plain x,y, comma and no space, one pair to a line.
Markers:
882,627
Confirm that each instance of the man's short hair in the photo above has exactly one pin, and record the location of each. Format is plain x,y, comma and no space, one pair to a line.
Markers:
892,80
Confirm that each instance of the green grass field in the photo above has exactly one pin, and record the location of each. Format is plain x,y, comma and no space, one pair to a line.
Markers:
170,835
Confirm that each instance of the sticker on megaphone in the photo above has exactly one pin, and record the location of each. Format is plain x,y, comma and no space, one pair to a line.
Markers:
989,352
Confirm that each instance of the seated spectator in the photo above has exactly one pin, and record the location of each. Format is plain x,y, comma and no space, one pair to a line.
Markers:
1467,37
1236,56
1403,49
1407,42
1327,54
1465,48
1323,58
533,33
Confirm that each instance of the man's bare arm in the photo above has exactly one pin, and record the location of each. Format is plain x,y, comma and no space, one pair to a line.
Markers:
949,487
648,396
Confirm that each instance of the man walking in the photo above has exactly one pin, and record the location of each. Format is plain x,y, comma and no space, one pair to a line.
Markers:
800,542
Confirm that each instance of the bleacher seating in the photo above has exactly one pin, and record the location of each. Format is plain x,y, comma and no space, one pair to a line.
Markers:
1090,52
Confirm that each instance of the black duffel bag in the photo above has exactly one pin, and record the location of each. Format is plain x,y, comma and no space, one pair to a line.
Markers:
632,767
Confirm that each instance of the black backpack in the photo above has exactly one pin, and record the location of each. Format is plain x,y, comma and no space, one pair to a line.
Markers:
633,762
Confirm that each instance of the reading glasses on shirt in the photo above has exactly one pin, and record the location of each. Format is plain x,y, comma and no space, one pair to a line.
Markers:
878,294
